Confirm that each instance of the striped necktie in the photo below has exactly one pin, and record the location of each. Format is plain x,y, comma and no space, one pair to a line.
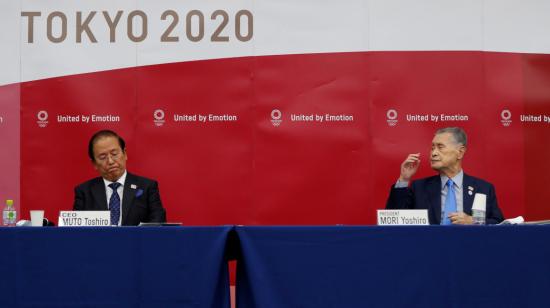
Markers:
114,204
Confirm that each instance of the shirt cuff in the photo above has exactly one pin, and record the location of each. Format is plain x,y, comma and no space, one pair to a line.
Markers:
401,184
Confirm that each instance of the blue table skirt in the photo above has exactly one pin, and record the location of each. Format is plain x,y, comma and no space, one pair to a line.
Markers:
114,267
415,266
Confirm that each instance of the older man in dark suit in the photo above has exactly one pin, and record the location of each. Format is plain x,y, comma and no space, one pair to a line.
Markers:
131,199
448,196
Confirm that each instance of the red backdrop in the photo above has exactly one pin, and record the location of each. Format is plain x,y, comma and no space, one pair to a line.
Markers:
252,172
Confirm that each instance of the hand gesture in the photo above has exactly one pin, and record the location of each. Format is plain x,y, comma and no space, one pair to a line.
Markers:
409,167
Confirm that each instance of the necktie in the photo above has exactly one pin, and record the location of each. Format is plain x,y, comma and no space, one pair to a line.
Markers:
114,204
450,203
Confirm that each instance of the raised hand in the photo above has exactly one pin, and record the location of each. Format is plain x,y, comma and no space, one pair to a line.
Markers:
409,167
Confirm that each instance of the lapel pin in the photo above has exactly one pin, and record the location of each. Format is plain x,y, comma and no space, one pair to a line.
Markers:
133,186
470,188
470,192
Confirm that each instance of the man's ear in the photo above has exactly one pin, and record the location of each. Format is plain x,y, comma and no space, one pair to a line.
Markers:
461,152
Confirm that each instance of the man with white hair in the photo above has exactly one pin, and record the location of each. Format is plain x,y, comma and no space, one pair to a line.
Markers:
448,196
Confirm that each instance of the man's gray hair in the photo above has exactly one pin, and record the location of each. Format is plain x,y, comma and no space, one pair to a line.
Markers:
458,134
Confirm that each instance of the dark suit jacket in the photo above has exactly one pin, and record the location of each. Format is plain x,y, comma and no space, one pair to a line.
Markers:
426,194
140,203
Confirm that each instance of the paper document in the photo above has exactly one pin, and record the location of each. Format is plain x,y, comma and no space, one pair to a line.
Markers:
513,221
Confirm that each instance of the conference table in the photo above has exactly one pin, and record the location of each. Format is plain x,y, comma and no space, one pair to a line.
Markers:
324,266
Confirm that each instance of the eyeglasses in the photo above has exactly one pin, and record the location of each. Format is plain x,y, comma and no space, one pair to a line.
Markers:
106,157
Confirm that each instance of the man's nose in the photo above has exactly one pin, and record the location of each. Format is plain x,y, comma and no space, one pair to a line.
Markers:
110,159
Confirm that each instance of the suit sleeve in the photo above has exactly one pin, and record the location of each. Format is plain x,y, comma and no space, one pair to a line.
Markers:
79,201
156,210
494,214
400,198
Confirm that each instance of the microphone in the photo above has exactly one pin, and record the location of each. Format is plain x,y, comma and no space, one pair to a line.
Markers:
47,223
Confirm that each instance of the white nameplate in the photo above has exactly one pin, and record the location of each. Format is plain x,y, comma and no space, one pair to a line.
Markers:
84,218
402,217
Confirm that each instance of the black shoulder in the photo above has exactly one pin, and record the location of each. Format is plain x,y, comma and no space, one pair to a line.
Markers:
477,181
88,183
136,179
426,181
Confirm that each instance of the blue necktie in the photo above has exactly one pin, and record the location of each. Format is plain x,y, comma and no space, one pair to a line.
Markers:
450,203
114,204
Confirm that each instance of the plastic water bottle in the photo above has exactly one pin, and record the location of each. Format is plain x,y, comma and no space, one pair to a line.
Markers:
9,214
479,208
478,217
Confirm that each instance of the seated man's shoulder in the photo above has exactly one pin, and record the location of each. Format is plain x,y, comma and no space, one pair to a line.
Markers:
479,181
89,183
137,179
426,181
